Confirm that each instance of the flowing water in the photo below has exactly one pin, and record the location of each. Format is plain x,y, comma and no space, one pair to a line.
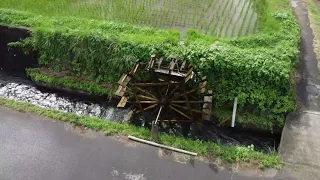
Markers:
25,91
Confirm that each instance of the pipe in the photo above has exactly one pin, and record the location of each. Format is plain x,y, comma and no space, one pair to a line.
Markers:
162,146
234,111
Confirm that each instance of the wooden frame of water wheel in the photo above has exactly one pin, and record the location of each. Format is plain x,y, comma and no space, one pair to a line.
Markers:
165,92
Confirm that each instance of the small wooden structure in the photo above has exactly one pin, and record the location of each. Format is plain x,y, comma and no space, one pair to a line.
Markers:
165,92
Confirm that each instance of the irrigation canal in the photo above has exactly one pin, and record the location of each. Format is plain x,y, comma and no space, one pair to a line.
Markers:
24,90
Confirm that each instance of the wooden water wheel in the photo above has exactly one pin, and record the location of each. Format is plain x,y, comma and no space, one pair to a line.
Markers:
165,92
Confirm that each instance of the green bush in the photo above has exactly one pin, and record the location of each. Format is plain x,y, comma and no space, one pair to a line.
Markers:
257,69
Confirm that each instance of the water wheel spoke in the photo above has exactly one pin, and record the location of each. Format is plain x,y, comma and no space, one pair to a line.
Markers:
185,102
147,108
152,84
186,108
188,103
146,97
143,102
146,92
174,90
194,90
189,92
138,101
180,112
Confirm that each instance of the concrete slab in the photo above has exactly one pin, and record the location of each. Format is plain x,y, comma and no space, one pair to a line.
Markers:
300,143
300,140
298,172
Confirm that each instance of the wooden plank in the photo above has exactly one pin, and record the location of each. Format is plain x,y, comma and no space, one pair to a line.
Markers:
122,102
183,65
207,99
121,91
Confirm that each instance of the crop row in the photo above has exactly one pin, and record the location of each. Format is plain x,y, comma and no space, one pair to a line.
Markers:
222,18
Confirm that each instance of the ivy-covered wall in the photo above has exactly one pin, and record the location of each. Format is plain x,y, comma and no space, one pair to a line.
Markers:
257,69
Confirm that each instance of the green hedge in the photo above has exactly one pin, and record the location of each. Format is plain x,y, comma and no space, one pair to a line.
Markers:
90,48
257,69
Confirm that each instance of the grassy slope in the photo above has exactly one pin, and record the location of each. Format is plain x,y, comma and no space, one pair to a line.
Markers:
49,78
314,15
230,154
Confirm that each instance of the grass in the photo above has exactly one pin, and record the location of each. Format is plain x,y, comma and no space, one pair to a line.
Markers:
60,80
314,15
155,13
231,154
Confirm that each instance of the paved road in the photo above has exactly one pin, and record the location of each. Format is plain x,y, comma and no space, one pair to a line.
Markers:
32,148
299,147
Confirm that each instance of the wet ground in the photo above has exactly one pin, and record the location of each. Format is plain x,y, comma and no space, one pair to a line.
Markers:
34,148
300,142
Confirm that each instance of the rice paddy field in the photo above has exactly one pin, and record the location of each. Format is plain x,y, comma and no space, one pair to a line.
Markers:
220,18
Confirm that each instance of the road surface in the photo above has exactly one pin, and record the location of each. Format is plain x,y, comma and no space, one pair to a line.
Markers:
299,147
35,148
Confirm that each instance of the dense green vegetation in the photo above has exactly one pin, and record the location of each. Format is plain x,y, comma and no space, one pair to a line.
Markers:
257,69
56,80
208,16
230,154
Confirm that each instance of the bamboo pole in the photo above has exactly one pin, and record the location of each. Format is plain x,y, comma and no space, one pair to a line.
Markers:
162,146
